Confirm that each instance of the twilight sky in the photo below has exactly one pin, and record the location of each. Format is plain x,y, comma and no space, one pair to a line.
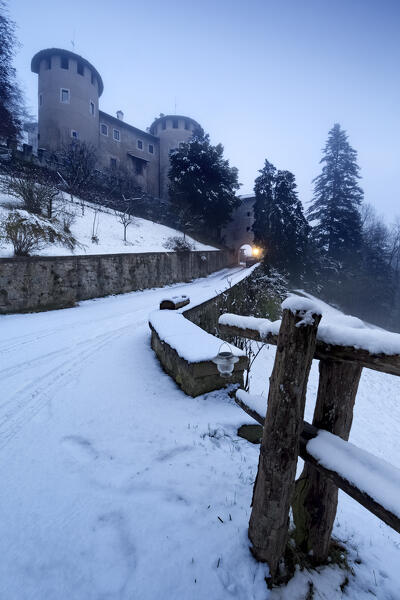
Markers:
266,78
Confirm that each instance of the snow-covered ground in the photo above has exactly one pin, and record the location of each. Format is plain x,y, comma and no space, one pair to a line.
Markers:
115,485
142,235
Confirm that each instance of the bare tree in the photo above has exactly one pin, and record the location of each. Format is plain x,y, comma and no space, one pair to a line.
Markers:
78,169
95,227
125,218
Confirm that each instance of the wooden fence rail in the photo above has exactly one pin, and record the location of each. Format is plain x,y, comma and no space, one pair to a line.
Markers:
378,362
308,433
285,434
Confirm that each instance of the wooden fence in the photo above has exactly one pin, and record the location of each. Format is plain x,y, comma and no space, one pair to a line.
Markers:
314,495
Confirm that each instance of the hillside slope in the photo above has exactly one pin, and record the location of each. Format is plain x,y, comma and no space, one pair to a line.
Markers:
142,235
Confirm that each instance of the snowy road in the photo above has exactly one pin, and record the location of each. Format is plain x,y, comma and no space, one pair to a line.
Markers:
117,486
103,456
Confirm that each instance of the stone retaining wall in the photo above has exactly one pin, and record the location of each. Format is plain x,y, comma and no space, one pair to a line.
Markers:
44,282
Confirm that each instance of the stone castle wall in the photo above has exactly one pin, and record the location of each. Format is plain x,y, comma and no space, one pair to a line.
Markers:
44,282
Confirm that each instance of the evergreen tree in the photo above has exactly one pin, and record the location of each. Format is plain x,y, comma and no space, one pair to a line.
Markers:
11,104
336,201
202,181
263,206
280,226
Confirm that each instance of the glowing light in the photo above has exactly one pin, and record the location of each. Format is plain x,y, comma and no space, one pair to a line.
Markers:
256,251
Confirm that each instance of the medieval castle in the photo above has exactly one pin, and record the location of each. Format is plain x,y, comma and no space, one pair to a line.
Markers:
69,89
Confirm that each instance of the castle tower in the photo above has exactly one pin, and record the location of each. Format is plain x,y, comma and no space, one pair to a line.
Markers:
69,88
171,131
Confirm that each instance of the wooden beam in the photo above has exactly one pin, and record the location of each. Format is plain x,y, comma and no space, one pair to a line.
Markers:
274,485
309,432
315,499
378,362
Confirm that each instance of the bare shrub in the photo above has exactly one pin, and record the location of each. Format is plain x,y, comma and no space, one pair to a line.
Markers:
178,244
38,197
28,233
67,218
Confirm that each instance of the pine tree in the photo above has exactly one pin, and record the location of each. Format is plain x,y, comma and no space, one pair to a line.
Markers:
280,226
292,228
202,181
336,201
11,104
263,206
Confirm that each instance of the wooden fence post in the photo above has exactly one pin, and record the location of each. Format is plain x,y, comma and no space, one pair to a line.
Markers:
274,485
315,499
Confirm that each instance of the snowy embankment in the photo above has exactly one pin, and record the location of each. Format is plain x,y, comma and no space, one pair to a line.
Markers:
142,235
118,486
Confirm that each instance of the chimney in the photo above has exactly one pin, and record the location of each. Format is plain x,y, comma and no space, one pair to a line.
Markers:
120,115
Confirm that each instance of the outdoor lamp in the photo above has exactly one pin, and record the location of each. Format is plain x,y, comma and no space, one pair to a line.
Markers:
225,361
256,251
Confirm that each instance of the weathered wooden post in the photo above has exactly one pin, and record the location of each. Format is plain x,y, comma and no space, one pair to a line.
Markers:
315,499
274,486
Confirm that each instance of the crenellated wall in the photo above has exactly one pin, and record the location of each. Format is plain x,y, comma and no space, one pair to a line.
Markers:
46,282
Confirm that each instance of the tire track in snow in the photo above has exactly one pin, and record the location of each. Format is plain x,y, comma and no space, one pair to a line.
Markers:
34,395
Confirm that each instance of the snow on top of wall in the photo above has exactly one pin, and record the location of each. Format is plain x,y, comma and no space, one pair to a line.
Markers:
336,328
189,341
372,475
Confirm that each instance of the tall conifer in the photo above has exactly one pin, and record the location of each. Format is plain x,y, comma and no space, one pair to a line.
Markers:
334,211
280,226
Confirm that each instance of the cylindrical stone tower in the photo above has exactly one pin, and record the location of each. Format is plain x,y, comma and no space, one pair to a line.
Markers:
69,91
171,130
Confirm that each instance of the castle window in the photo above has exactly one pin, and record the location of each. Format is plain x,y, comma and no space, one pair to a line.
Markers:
91,108
92,77
113,163
64,62
247,228
164,124
79,67
140,144
48,63
116,135
248,214
74,134
151,148
40,99
139,167
175,123
186,124
104,129
64,96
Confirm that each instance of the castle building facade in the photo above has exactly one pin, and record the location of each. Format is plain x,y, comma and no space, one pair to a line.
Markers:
69,88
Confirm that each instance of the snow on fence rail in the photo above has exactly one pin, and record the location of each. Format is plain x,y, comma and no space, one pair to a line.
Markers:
371,348
344,346
371,481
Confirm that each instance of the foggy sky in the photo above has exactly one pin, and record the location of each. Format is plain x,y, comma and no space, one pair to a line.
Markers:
266,78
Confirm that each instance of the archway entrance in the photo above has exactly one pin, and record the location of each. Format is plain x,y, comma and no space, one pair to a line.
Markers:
245,251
